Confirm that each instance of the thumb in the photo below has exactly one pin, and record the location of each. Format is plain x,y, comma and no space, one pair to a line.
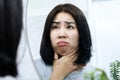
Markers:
75,67
55,56
78,67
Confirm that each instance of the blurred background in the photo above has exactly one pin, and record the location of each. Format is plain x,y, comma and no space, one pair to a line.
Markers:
104,21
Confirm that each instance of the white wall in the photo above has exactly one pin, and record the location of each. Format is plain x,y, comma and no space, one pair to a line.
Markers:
107,23
43,7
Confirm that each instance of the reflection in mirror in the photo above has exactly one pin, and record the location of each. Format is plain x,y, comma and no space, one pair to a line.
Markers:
103,25
37,14
104,41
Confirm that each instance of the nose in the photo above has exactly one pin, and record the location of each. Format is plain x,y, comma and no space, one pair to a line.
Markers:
62,33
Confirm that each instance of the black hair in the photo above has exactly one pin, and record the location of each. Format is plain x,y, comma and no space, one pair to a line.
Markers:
10,33
85,43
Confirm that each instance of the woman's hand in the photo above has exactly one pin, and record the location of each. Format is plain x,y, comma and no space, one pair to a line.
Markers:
64,66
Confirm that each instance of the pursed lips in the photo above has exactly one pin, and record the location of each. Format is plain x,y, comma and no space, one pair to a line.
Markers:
62,43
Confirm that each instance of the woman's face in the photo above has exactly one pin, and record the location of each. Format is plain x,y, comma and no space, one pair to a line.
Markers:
64,34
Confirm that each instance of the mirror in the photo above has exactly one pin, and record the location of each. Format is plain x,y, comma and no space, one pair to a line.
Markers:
103,19
22,43
36,16
37,13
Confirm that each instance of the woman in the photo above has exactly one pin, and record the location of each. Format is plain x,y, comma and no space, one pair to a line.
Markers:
10,34
66,45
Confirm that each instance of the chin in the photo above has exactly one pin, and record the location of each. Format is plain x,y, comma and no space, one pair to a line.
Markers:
63,54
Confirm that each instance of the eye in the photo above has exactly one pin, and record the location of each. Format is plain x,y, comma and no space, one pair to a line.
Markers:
70,27
54,27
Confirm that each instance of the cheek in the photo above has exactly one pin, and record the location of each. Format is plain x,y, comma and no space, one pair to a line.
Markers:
75,39
52,38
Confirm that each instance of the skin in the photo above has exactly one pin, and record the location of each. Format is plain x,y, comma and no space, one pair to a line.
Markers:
64,34
64,40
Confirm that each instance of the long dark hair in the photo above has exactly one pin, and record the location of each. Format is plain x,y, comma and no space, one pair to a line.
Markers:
10,32
85,43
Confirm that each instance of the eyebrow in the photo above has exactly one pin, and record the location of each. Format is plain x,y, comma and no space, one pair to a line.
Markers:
55,22
70,22
58,22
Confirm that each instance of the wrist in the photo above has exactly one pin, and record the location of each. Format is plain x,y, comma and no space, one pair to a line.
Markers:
56,77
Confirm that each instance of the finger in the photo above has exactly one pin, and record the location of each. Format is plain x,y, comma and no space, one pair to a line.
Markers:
74,57
55,56
73,52
81,66
75,67
78,67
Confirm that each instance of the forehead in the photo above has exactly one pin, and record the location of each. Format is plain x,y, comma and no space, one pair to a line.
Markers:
63,16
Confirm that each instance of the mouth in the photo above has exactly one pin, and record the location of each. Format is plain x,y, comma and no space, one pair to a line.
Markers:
62,43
